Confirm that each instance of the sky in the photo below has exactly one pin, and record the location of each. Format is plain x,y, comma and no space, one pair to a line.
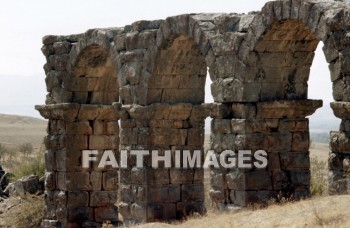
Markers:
23,23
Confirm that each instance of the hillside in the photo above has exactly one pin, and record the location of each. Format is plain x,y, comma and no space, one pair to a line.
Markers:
20,129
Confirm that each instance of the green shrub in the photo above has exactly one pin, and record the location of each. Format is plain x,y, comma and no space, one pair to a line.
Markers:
30,166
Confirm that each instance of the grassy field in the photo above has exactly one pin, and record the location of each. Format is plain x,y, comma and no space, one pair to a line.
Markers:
15,130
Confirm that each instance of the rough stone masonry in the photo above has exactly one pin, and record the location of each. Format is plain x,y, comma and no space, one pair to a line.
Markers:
142,87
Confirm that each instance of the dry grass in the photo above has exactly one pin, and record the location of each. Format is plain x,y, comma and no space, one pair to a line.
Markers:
329,211
27,211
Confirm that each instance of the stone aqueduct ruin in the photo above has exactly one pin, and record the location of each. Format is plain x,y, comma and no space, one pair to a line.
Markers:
150,77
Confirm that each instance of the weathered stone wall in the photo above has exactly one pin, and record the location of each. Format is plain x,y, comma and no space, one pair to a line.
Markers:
149,194
154,72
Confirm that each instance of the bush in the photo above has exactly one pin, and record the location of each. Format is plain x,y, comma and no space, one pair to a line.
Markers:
26,149
318,185
31,166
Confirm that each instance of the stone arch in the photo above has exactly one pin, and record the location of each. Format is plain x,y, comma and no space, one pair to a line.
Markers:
93,73
179,74
181,60
281,43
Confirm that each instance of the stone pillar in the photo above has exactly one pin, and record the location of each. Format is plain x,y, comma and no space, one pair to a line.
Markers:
81,117
75,194
279,128
339,159
148,194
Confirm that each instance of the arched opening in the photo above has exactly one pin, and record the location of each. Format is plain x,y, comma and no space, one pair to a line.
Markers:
94,78
321,123
285,54
179,75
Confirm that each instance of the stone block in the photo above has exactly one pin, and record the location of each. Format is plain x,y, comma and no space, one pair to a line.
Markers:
164,211
50,180
71,181
295,160
237,180
279,180
341,109
334,162
88,112
221,125
299,178
103,142
276,142
195,137
290,109
66,112
96,180
273,161
78,199
129,136
181,176
300,141
243,111
72,142
68,160
217,110
339,142
103,214
50,160
110,180
28,184
180,112
102,198
80,214
158,176
79,128
192,192
163,193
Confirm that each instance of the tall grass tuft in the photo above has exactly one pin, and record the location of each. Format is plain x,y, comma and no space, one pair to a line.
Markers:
30,166
318,185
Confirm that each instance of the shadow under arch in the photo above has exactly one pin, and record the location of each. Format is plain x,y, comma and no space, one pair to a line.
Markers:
94,77
179,73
